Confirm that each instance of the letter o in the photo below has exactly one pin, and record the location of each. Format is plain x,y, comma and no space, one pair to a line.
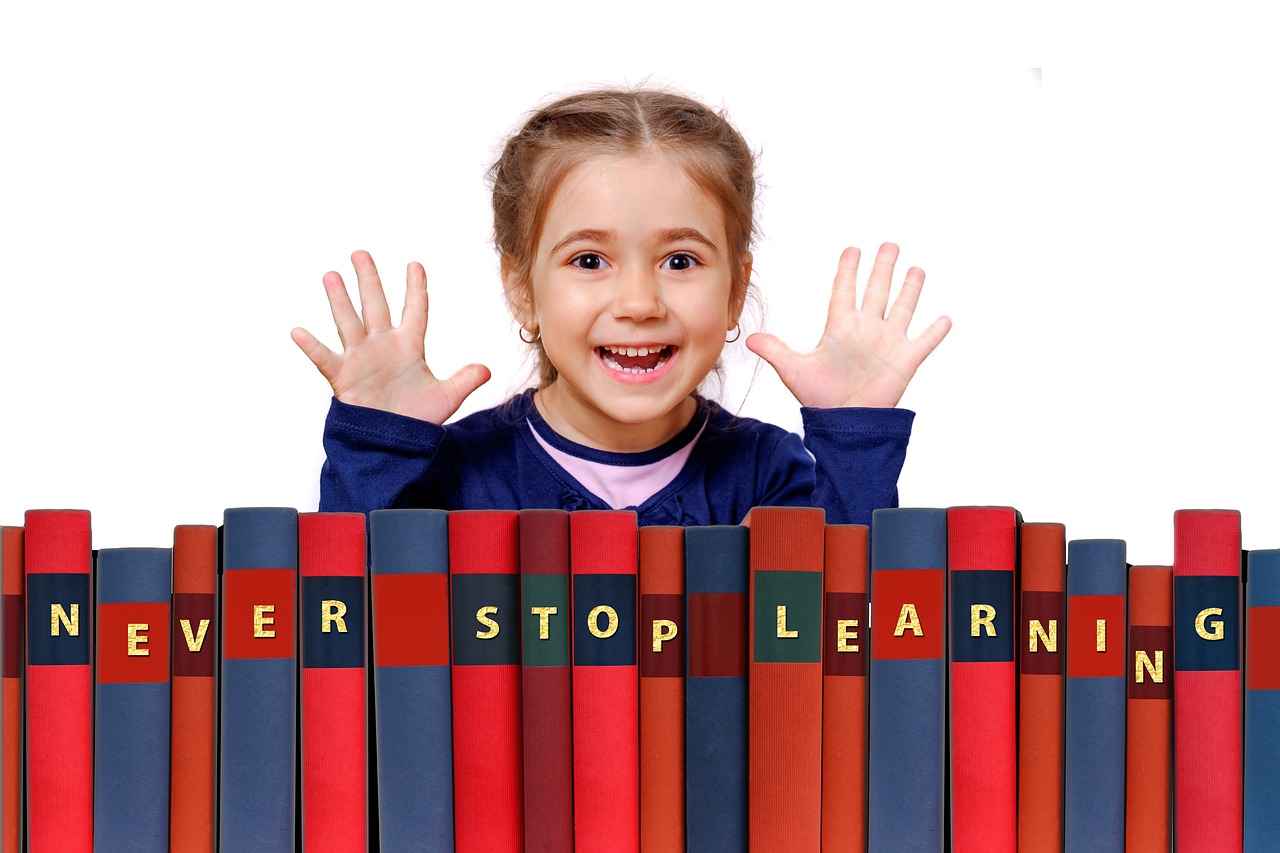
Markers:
593,622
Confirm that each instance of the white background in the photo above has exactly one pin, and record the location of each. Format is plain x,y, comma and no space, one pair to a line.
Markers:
176,182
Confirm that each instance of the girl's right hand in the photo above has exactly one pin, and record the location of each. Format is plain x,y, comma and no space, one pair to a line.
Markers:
384,366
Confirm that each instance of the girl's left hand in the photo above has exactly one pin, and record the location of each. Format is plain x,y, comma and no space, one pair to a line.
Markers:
864,357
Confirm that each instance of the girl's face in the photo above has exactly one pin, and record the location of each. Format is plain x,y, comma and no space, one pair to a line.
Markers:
632,292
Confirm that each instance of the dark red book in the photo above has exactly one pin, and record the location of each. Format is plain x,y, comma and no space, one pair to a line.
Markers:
844,687
662,660
785,678
194,709
546,693
982,559
603,557
59,682
12,618
488,775
331,627
1041,682
1149,742
1208,687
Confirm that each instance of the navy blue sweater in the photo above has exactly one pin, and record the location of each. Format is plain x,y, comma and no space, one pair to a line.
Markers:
490,460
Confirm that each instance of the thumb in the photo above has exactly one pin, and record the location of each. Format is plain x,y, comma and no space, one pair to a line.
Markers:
467,379
772,350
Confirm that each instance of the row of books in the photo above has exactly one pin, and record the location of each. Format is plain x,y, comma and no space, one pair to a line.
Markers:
547,680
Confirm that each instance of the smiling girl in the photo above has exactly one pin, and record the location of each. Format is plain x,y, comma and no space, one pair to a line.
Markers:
624,221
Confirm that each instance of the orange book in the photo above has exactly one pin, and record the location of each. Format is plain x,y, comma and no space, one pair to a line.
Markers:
662,664
1149,744
844,688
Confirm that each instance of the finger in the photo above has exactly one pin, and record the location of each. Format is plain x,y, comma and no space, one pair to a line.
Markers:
904,307
844,290
414,316
325,359
373,302
350,329
880,280
774,351
932,336
467,379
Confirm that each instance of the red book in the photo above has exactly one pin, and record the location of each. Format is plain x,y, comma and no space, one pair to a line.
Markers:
59,682
484,570
1208,739
193,763
603,557
11,585
1041,674
785,679
1149,716
546,700
331,626
982,558
662,663
844,688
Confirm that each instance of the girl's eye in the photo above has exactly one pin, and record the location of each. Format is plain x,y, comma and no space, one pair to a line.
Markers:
588,261
680,262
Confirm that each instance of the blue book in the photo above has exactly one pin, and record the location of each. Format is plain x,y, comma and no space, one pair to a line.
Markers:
1096,691
1262,702
906,760
131,700
259,701
409,567
716,577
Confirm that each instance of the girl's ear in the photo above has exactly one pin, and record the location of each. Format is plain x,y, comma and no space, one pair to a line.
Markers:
519,294
738,299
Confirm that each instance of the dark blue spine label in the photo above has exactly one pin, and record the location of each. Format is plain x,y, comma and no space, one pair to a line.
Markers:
982,626
604,620
1206,627
332,621
58,623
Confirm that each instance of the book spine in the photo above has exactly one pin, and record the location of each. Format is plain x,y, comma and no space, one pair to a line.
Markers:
546,693
844,687
906,758
1095,696
59,682
259,697
1041,685
1262,702
331,628
785,697
662,660
982,557
131,703
11,666
1208,740
716,583
409,568
488,774
603,557
1149,745
194,658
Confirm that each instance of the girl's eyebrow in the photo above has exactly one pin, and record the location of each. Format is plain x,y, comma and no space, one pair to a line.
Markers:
667,235
584,235
675,235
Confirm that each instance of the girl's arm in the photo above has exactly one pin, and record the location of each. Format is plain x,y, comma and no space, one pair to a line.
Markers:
864,358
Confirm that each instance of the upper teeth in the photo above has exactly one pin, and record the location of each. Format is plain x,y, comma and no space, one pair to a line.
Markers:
633,351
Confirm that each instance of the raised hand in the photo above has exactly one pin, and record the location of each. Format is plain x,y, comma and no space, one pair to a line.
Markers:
384,366
864,357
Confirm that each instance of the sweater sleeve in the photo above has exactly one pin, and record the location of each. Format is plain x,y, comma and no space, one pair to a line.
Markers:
375,459
858,455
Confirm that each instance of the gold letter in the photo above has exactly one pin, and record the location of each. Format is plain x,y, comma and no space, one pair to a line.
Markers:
663,630
845,633
482,616
136,639
908,618
1101,644
980,616
593,622
57,614
1216,624
332,610
544,626
783,633
194,643
1141,661
261,620
1037,635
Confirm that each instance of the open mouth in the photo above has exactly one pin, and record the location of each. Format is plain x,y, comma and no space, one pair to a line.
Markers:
645,359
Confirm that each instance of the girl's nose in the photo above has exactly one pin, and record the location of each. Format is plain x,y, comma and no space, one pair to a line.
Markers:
638,296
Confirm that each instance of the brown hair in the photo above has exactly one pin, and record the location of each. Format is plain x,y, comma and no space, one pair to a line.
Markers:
559,136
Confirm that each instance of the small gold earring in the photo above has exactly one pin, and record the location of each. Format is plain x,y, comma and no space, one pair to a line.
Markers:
737,333
537,335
